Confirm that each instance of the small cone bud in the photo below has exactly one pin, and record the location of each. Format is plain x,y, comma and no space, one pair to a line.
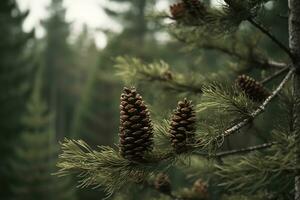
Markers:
136,136
182,127
167,75
162,183
201,189
253,89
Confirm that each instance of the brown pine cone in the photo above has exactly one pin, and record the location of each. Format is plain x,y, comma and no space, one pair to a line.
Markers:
136,136
182,127
162,183
253,89
200,188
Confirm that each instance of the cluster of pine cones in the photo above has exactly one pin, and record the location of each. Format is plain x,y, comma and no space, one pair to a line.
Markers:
199,190
136,131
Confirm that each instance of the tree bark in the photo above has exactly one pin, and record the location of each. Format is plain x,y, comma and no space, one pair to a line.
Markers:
294,44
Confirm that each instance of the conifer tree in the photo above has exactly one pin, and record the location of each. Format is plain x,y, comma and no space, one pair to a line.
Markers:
36,155
58,67
193,139
86,62
15,74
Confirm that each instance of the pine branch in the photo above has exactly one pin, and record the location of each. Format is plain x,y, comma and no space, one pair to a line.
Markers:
271,36
263,63
258,111
244,150
133,70
273,168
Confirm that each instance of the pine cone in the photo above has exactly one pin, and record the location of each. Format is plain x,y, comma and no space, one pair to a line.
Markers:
136,136
201,189
177,10
253,89
162,183
182,130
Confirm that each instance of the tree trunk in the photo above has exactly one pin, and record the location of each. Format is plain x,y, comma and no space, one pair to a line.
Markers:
294,44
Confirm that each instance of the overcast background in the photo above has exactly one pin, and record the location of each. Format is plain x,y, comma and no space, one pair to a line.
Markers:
79,12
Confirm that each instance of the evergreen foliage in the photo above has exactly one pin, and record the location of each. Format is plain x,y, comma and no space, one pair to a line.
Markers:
223,109
15,74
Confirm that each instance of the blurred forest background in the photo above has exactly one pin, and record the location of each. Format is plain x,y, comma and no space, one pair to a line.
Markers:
55,87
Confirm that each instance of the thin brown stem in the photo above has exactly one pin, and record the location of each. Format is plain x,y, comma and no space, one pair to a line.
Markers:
275,75
250,59
271,36
256,62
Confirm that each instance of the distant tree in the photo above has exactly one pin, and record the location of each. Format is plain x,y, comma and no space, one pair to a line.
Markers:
58,57
36,155
86,122
85,59
15,75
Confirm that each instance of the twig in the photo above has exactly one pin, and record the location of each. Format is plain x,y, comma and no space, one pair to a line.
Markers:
227,51
259,110
275,64
223,154
272,37
262,63
276,74
244,150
